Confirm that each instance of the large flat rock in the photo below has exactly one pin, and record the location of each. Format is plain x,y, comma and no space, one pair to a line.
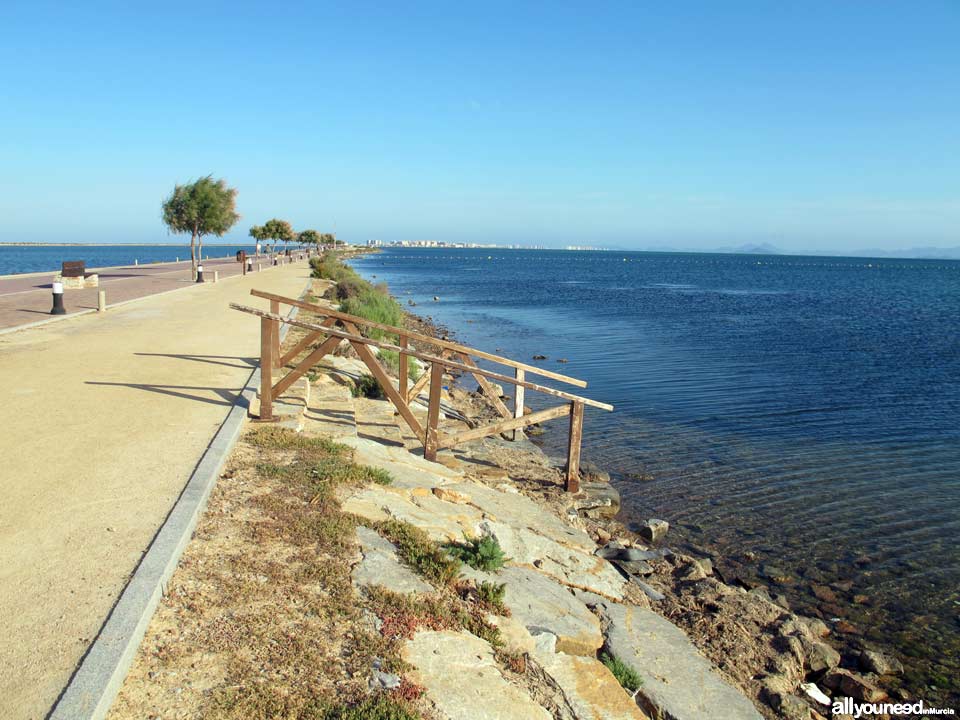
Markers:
589,688
570,566
442,521
408,470
678,682
462,680
380,565
541,604
522,512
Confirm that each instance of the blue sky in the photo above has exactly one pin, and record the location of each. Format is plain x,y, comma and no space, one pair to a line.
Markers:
812,126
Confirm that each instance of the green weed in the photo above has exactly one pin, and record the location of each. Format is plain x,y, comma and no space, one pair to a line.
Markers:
479,553
628,678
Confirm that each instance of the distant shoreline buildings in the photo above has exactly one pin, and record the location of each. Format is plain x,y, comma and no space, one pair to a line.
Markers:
444,244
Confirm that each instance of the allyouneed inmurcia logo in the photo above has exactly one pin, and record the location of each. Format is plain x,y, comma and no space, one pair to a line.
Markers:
847,706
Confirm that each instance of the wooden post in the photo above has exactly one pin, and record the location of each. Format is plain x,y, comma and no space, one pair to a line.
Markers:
573,447
266,369
518,399
275,335
404,368
431,440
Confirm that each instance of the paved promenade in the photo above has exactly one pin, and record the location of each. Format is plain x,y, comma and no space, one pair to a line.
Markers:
104,417
26,299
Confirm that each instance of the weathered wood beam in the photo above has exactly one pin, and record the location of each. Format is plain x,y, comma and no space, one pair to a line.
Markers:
428,358
328,346
431,442
445,344
266,369
386,384
504,425
573,447
486,386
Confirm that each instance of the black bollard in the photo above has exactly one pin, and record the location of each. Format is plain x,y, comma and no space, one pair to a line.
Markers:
249,265
58,308
199,273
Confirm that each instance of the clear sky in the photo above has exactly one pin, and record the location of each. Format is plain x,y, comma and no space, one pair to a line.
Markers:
808,125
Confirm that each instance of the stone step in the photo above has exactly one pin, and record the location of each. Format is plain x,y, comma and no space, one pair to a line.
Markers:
331,411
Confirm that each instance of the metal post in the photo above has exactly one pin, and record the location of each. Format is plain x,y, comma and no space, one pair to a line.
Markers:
58,308
102,301
199,273
216,276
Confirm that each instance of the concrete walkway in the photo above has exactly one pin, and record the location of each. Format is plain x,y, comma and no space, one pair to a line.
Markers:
104,418
26,299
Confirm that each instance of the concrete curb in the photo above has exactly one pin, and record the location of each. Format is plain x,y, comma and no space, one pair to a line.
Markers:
96,682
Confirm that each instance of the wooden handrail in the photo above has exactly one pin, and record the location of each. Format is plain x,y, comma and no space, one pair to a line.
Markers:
445,344
425,357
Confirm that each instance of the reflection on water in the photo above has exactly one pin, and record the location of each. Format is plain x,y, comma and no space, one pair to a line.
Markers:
803,412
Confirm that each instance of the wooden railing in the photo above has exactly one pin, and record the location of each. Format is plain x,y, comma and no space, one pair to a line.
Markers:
323,337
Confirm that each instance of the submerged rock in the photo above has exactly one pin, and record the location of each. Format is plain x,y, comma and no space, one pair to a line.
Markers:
853,685
597,499
876,662
654,530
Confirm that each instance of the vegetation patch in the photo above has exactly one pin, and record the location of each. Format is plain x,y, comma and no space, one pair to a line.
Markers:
367,386
261,619
479,553
419,551
390,359
402,615
628,678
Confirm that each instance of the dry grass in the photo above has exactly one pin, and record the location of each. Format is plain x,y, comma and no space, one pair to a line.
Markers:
261,620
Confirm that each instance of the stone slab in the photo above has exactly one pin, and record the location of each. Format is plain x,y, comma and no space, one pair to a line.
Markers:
678,682
380,565
571,567
589,688
542,604
463,681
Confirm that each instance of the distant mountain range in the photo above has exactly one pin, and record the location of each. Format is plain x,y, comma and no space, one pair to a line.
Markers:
752,249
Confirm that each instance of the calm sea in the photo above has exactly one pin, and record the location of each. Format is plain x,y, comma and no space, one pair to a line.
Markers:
793,416
27,259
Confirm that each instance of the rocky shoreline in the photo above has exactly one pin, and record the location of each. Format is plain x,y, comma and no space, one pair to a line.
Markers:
789,664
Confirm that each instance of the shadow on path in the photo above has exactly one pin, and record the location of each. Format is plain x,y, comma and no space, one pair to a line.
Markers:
212,359
229,395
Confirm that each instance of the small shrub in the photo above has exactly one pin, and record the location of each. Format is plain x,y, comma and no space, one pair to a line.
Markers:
376,307
491,593
367,386
479,553
628,678
348,288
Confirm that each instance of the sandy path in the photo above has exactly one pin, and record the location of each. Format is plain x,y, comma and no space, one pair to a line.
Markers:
103,420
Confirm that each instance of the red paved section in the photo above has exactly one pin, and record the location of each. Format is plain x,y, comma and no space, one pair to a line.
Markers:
27,299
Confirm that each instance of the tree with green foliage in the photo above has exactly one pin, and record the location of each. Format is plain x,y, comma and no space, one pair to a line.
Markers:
204,207
309,237
278,230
